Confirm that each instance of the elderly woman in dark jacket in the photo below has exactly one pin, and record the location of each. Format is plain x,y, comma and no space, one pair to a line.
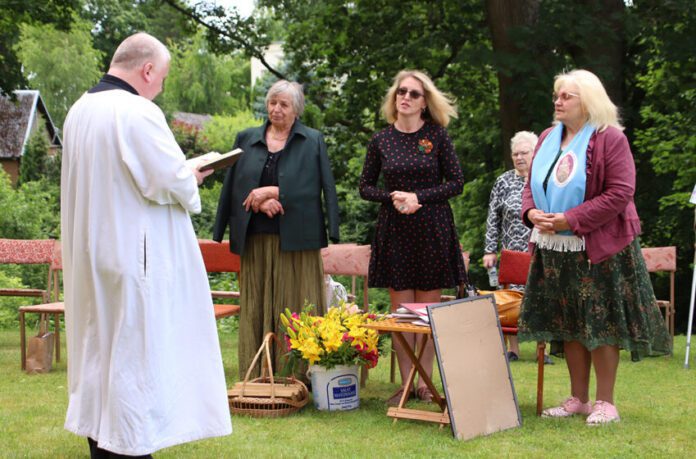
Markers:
272,202
588,289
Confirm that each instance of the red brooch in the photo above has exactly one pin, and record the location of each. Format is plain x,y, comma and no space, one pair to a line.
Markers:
425,146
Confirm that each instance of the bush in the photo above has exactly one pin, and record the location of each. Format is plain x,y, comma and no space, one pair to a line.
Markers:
221,131
9,317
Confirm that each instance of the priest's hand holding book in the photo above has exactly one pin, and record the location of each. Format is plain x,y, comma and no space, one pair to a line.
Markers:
204,165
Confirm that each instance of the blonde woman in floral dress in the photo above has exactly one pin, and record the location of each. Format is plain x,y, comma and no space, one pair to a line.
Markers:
415,250
588,290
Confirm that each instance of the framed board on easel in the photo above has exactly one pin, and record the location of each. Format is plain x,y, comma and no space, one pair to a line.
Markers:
475,373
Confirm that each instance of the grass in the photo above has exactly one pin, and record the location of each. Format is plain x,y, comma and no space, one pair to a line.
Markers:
656,398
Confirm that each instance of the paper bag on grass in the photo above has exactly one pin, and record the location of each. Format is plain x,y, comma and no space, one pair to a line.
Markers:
40,349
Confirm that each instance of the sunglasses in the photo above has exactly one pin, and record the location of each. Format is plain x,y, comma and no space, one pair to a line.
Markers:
411,92
564,96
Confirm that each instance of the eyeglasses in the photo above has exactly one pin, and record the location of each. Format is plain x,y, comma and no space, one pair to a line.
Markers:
411,92
515,154
564,96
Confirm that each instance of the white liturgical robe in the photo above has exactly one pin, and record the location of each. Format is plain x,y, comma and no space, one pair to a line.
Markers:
144,364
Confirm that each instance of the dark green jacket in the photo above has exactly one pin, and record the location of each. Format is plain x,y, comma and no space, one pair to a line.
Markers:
304,173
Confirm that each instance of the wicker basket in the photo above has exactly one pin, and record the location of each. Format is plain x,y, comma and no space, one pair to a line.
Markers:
267,396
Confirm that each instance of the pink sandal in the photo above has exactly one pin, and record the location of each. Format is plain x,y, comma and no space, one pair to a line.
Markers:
569,407
603,413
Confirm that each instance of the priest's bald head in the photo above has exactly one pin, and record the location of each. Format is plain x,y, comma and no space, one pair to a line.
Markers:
143,62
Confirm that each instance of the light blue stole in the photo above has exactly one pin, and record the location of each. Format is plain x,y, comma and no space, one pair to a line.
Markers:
566,185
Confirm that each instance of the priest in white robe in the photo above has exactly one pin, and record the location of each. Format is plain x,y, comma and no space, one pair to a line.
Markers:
144,364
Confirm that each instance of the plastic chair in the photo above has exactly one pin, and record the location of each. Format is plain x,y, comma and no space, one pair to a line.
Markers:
664,259
218,259
514,268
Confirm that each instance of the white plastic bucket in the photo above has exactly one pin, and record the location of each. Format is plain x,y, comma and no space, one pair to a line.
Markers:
335,389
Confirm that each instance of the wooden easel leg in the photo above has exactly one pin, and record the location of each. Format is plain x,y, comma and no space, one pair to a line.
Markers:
411,374
424,375
392,369
446,414
415,359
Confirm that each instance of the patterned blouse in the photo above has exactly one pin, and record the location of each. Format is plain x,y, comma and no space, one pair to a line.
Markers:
504,224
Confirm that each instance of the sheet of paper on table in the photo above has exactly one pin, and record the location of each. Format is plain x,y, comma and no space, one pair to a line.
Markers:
414,313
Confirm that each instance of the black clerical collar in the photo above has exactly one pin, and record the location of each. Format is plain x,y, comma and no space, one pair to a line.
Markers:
109,82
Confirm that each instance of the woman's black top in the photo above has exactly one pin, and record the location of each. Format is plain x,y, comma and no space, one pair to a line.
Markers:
261,223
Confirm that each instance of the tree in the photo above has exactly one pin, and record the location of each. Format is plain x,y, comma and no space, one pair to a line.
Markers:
35,159
114,20
534,40
202,82
228,31
31,211
14,13
505,19
62,65
663,99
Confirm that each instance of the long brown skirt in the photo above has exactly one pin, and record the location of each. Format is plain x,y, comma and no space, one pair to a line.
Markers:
272,280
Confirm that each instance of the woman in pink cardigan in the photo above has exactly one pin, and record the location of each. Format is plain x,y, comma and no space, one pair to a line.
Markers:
588,290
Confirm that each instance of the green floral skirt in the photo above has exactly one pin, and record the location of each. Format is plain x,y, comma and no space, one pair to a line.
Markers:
610,303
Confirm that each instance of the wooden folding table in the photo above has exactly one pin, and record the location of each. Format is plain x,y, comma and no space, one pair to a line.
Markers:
400,412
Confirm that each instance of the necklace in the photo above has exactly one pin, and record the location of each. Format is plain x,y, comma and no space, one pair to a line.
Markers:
276,138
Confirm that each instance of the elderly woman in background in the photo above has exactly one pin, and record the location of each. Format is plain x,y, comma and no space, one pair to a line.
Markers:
588,289
415,250
504,225
272,202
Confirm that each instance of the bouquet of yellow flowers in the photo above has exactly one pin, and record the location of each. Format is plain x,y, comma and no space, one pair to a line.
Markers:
334,339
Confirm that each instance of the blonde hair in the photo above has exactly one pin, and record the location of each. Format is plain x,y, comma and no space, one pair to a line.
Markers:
601,111
440,107
523,137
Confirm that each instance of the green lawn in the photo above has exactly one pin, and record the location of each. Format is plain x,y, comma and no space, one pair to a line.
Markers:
656,398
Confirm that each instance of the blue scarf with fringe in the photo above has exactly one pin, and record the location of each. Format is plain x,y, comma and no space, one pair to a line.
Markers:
565,171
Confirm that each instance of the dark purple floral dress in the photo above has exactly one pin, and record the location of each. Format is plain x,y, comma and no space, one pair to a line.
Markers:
418,251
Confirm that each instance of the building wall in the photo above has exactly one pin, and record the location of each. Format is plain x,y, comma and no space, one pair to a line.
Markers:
11,166
273,55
